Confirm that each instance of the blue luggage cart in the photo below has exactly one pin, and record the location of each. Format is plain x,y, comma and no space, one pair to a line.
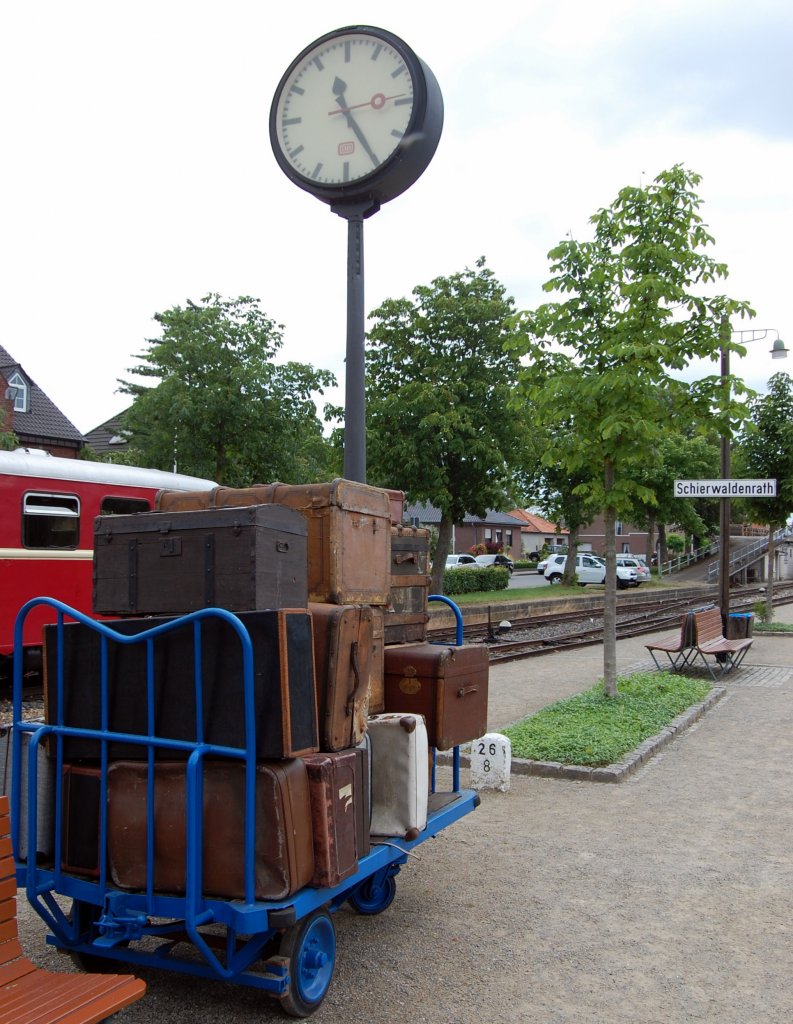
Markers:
286,948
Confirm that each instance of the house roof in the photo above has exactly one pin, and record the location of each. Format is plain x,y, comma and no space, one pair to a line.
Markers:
536,524
43,418
108,436
427,513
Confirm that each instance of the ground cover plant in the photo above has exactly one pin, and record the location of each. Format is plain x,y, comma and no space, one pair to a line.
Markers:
773,627
593,729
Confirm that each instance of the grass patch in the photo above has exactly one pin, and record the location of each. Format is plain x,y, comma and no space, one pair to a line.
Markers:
772,627
592,729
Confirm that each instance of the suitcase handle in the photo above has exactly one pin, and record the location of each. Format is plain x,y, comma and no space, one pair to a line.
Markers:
356,671
403,557
465,690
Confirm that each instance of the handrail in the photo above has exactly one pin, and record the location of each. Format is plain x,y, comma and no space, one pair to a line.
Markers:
748,553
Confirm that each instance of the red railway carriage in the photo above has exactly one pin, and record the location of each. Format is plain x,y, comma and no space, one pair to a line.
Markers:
47,511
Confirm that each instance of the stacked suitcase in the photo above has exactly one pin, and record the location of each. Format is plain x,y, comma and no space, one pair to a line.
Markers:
332,590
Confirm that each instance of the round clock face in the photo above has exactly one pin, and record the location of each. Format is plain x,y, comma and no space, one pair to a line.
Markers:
343,108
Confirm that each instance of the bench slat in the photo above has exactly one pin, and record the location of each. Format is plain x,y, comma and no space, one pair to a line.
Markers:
31,995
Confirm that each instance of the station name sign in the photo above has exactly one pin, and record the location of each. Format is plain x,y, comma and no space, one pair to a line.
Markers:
725,488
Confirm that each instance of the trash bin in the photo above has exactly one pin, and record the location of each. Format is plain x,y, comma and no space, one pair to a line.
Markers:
740,625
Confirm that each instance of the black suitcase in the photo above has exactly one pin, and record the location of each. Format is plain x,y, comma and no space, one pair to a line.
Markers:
242,559
285,709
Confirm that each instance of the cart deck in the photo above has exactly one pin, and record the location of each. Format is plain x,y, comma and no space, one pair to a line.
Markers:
284,947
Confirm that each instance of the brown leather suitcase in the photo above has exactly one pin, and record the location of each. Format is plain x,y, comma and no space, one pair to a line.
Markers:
284,695
284,853
342,659
334,782
445,684
349,533
241,559
376,702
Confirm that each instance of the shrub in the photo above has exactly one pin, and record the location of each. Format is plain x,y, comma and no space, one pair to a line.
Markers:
471,581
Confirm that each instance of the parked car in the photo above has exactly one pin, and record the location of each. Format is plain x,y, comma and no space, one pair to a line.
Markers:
458,561
496,560
643,574
542,565
589,569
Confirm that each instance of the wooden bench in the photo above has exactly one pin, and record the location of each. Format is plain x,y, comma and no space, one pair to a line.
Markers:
677,646
709,639
31,995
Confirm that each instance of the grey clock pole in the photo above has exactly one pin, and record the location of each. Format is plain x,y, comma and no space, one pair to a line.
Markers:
355,369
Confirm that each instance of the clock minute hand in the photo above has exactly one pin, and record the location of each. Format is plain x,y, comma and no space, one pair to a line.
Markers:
339,88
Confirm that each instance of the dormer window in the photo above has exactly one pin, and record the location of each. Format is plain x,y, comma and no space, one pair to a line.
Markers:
19,386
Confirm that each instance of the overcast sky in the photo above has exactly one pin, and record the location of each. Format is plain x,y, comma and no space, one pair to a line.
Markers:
137,171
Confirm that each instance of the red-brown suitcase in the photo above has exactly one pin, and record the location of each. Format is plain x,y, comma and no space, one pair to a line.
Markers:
284,693
445,684
342,658
334,783
284,852
349,533
240,559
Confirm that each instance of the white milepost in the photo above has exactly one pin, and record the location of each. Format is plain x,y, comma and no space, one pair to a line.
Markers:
491,762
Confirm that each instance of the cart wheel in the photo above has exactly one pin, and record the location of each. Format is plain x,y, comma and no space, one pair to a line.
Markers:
374,895
310,946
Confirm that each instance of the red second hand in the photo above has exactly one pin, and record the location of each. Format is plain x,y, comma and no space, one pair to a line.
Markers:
376,102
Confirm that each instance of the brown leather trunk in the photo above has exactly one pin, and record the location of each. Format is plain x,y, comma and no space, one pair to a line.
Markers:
342,656
445,684
241,559
349,533
284,696
376,703
284,853
334,784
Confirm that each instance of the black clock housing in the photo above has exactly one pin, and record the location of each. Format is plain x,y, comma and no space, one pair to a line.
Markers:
408,161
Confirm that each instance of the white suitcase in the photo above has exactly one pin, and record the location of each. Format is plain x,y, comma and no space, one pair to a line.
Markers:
45,790
400,774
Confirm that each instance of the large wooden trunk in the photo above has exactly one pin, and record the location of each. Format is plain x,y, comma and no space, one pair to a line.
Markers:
342,657
406,616
349,533
284,697
284,852
446,684
241,559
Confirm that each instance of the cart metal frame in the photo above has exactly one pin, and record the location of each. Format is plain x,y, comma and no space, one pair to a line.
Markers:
287,947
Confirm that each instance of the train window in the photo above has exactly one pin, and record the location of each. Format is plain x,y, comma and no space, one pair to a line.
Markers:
50,521
117,506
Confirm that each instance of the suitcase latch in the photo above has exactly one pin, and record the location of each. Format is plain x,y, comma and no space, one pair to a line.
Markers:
170,546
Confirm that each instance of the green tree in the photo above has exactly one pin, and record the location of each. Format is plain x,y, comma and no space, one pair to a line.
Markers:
439,378
640,307
765,451
222,407
8,439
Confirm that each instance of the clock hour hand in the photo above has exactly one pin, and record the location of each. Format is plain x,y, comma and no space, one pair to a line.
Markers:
339,88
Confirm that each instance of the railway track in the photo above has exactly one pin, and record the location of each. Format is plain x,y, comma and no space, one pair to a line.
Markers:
544,634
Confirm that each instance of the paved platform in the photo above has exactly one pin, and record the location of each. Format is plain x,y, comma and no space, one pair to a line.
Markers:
667,899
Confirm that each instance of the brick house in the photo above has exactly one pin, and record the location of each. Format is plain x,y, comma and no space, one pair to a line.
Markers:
630,539
31,416
499,528
536,532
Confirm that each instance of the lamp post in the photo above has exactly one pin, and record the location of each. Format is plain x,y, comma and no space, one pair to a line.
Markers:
778,351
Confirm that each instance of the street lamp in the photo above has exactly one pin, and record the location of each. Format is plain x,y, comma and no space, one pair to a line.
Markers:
778,351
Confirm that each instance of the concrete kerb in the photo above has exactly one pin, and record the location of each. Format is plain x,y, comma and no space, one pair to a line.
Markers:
620,770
